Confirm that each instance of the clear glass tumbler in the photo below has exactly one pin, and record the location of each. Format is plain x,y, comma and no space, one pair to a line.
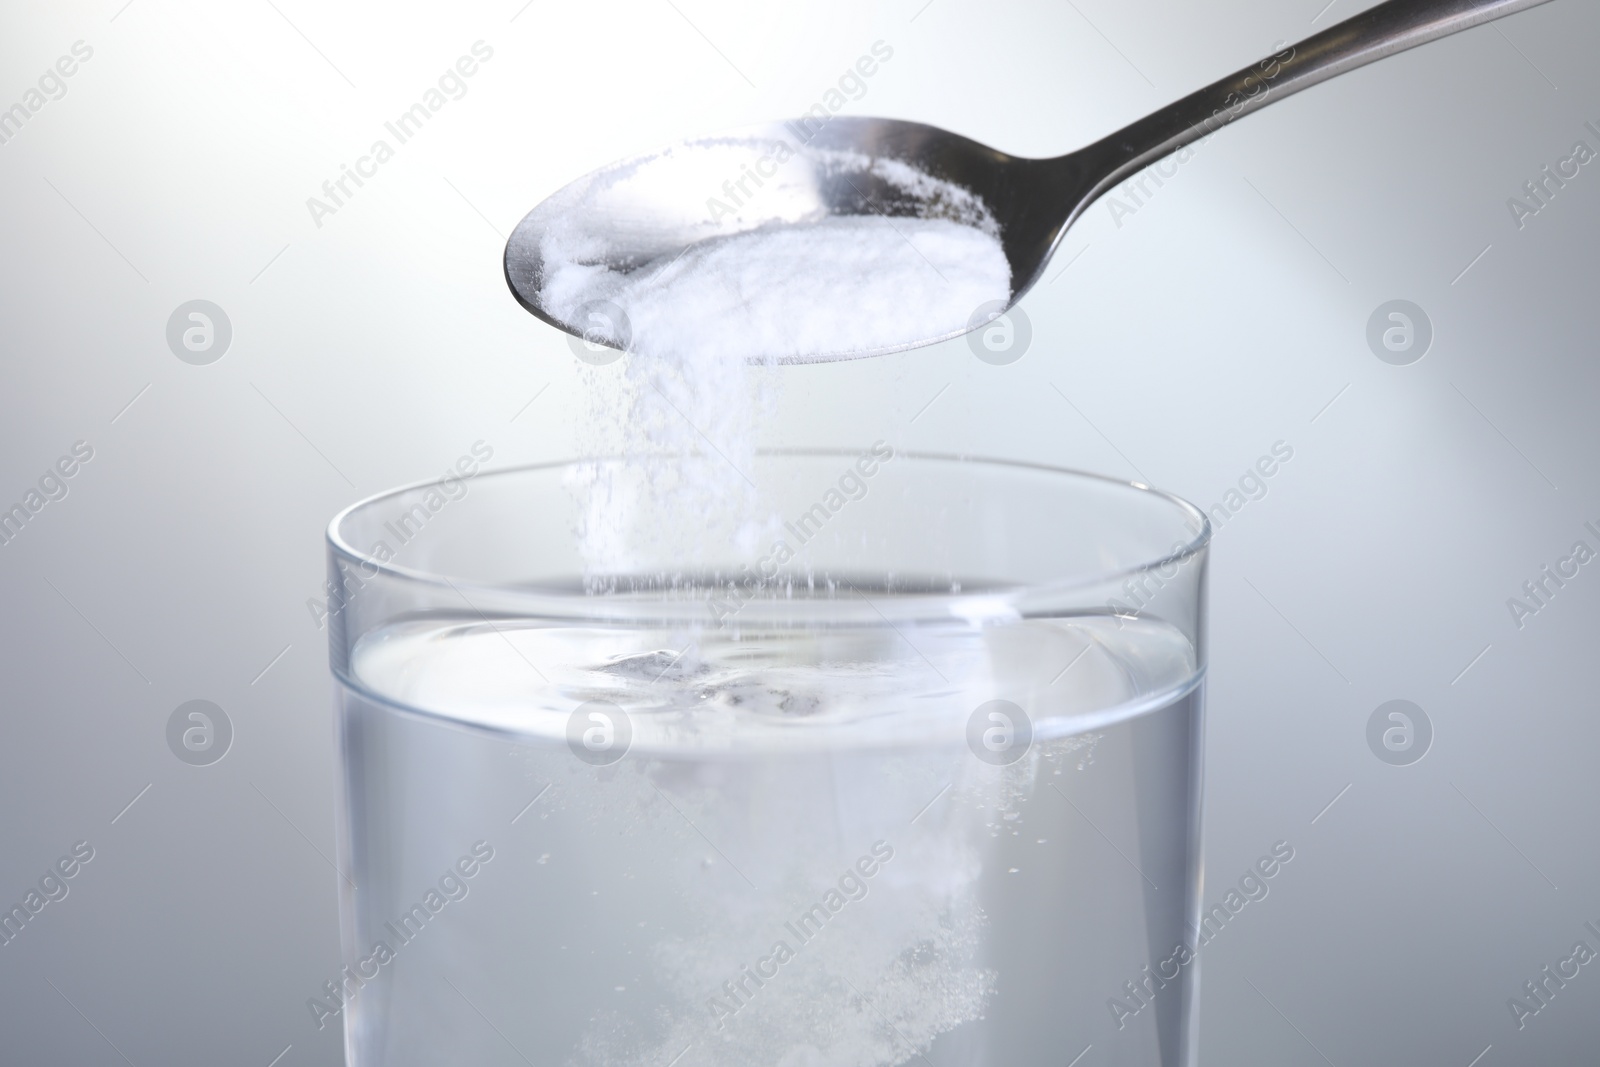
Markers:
908,770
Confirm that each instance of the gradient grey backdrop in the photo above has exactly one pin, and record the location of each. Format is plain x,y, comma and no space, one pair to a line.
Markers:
1227,313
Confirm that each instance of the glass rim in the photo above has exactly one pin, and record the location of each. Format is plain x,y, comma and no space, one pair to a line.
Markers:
373,567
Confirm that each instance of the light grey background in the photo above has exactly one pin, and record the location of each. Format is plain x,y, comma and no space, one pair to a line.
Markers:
1227,313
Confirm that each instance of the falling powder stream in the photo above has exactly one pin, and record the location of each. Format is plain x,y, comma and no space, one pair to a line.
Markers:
700,326
702,331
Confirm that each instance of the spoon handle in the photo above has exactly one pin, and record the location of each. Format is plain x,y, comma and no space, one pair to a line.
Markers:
1374,34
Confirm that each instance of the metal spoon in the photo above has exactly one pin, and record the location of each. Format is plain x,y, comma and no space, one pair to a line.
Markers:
640,212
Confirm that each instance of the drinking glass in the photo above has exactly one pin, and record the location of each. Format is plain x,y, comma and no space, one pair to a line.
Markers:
883,758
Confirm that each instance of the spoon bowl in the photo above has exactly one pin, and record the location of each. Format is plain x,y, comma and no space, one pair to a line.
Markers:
641,212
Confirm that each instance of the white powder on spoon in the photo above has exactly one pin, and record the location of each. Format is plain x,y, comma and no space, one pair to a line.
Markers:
797,293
